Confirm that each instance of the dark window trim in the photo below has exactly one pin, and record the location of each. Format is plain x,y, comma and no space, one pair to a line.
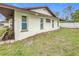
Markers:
48,20
41,23
58,23
52,23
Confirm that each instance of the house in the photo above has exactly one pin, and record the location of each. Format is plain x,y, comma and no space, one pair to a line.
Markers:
4,24
27,22
1,23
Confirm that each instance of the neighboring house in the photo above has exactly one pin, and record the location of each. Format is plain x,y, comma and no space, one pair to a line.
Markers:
27,22
1,24
5,24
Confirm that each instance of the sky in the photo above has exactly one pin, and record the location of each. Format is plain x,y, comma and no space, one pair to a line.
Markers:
54,7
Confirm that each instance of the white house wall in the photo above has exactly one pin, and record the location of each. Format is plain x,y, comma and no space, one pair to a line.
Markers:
33,25
42,10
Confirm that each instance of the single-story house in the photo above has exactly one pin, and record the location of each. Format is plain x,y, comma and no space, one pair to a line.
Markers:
1,23
4,24
27,22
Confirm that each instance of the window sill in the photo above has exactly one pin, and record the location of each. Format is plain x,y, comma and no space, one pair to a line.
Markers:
24,30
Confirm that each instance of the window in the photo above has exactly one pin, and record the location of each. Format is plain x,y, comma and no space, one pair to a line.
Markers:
24,23
52,23
48,20
41,23
58,23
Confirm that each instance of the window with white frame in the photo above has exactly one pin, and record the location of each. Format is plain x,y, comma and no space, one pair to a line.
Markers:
24,22
58,23
52,23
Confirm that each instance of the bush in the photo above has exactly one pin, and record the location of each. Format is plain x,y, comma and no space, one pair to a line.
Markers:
2,30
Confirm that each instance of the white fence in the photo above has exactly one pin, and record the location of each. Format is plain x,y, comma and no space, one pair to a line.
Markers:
69,25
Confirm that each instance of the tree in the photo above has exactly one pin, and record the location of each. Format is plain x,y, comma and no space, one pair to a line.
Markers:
57,14
75,16
68,12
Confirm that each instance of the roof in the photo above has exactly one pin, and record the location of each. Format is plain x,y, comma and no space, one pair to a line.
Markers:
26,9
41,7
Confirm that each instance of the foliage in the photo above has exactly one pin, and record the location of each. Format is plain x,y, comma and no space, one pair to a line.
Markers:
2,30
75,16
67,12
57,14
10,31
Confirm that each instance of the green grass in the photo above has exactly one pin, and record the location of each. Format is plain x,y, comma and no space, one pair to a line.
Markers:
2,30
60,42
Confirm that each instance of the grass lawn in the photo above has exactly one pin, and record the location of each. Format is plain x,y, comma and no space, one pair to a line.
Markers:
59,42
2,30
